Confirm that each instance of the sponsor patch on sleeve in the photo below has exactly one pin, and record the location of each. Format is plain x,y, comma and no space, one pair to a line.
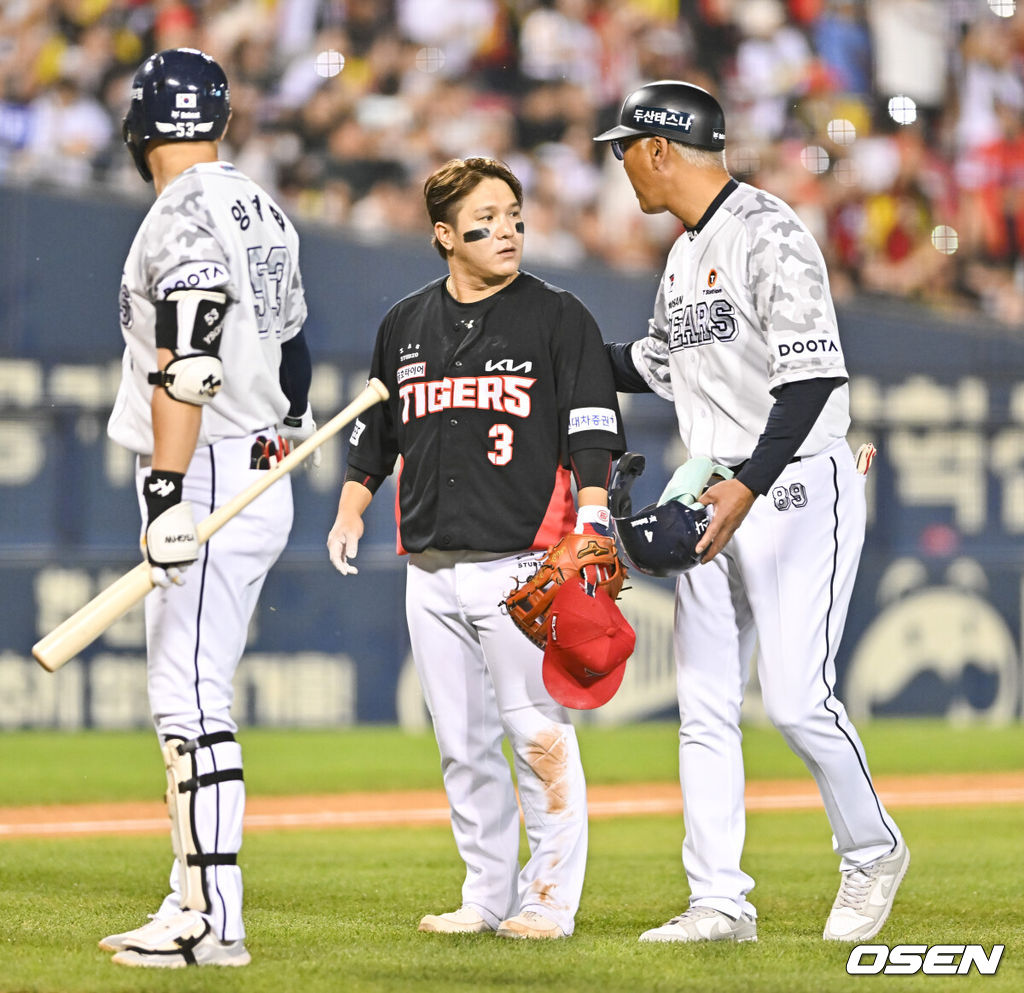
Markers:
357,431
194,276
414,370
593,419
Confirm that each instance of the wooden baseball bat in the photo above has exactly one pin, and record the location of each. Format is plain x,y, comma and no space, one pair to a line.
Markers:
83,627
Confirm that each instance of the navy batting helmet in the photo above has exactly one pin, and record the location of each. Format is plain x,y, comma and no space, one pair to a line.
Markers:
675,110
180,94
661,539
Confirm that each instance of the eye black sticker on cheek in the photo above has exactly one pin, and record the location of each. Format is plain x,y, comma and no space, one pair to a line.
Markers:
477,234
520,227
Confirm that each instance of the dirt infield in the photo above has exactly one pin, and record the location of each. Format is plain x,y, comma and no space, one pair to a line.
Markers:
430,806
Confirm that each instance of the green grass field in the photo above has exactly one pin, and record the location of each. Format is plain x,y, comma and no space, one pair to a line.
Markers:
337,910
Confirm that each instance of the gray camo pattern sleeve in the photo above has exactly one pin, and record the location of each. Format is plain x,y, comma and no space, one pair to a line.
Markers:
789,285
181,233
651,354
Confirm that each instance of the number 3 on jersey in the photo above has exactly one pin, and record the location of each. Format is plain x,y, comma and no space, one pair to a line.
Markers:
503,436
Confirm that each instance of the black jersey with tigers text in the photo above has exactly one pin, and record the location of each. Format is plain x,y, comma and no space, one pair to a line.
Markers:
487,402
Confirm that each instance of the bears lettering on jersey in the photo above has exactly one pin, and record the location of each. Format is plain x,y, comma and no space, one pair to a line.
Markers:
505,394
703,323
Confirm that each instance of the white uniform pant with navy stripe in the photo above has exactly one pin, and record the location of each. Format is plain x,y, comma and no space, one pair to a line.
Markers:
195,636
482,682
781,589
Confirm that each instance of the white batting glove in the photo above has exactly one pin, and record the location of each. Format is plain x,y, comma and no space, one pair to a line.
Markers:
166,578
170,543
342,546
296,430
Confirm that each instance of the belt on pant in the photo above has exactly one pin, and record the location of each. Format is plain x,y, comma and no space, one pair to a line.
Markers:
146,461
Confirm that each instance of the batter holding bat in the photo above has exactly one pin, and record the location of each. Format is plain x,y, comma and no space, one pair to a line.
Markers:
744,343
214,389
501,393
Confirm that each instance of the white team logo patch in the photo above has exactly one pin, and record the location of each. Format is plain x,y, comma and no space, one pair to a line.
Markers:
125,306
161,487
414,370
592,419
185,101
357,431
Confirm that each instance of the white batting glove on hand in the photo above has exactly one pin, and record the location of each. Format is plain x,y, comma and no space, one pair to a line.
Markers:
296,430
170,542
342,546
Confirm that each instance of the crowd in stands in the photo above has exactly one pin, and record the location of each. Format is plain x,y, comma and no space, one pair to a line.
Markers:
894,127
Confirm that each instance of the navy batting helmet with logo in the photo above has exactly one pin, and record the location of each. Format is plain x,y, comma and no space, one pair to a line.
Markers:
673,109
180,94
661,539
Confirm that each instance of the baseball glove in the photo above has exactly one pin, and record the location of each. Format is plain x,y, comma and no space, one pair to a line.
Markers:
528,604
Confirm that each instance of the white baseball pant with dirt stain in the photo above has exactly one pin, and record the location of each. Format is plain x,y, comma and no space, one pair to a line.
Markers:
482,683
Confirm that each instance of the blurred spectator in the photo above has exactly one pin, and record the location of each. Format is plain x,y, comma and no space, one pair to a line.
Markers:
843,43
773,61
174,24
390,208
67,130
557,44
549,241
911,40
342,107
455,30
990,75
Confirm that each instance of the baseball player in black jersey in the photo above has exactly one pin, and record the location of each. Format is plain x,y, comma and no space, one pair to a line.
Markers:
501,397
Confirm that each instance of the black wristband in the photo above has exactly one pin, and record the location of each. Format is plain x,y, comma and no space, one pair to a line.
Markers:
371,482
591,467
161,490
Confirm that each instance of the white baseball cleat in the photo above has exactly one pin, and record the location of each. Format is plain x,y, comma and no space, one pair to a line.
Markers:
704,924
116,942
529,924
465,920
178,941
865,897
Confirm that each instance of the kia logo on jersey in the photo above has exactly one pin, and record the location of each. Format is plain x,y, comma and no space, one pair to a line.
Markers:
507,365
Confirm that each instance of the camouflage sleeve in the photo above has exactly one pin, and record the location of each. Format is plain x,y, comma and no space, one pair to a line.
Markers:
651,354
789,284
182,249
295,303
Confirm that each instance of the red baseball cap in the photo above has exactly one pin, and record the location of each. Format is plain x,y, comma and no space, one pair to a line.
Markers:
589,642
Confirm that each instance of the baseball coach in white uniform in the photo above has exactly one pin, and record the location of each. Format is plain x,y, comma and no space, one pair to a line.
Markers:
744,343
214,388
